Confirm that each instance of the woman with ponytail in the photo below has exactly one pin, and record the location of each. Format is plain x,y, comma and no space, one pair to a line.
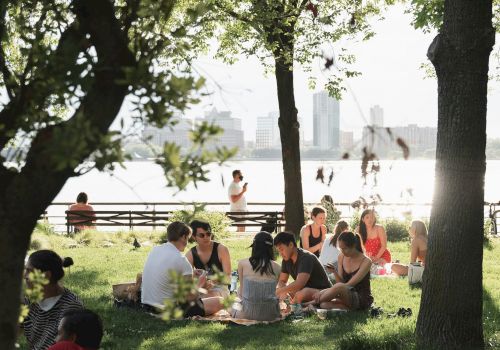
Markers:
258,279
40,326
352,290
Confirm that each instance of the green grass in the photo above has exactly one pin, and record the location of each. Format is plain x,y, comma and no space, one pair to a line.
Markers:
96,269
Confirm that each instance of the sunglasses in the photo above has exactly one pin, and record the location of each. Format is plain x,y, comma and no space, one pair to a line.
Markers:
203,235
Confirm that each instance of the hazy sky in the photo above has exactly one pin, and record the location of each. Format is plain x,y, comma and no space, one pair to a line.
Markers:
391,78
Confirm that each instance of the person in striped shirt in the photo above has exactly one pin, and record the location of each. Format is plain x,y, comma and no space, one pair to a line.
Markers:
41,324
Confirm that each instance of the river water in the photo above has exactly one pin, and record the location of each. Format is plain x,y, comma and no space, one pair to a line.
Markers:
145,182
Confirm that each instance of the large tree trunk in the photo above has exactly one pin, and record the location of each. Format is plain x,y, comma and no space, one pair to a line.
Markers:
451,306
290,147
25,195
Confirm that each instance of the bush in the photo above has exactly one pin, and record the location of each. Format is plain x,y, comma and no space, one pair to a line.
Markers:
44,227
355,219
397,230
332,215
218,221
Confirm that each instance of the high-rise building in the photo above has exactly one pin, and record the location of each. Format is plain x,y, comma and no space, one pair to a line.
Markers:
417,137
267,134
326,121
376,116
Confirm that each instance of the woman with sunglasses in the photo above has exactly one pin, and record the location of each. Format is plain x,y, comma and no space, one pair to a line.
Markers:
210,256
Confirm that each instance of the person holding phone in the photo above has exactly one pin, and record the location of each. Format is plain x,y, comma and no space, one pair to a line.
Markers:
237,199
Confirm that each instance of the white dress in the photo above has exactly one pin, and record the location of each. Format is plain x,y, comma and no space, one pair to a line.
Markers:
329,253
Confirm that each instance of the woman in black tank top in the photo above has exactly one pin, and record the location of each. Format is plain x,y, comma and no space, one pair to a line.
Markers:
307,239
352,290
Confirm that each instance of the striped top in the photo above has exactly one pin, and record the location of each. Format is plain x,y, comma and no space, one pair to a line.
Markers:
40,327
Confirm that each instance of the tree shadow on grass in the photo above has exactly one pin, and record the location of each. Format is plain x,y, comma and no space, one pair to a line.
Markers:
491,320
123,328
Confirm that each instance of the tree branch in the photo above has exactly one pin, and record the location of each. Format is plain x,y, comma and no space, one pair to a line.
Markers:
30,96
10,84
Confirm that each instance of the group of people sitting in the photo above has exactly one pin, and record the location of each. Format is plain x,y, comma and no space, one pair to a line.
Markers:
328,271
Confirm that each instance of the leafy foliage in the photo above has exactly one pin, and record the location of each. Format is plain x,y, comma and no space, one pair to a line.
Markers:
218,220
303,32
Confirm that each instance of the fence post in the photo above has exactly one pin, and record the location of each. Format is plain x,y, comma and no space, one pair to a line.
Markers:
154,218
130,220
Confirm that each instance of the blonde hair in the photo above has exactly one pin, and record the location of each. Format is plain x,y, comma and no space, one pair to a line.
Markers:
420,228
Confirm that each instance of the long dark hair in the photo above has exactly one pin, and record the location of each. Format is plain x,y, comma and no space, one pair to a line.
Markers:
363,232
48,260
262,253
352,239
340,226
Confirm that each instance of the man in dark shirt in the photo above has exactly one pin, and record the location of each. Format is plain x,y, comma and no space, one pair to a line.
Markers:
304,267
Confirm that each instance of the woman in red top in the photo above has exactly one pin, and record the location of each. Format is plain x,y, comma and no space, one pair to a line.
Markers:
374,238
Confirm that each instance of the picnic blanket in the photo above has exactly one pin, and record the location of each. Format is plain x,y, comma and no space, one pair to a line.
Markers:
224,317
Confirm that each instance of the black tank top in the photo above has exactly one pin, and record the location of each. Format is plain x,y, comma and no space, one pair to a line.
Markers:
314,240
362,288
214,260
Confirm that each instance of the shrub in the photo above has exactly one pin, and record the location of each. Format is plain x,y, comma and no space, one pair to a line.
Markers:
332,216
44,227
397,230
217,220
355,219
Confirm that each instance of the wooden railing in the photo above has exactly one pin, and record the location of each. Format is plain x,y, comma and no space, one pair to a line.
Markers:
154,218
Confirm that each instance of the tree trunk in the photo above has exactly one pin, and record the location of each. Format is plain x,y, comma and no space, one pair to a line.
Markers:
290,147
451,306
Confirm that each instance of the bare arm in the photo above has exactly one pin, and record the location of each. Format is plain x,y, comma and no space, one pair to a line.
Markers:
241,277
225,259
340,273
383,242
283,279
414,251
296,285
189,256
236,197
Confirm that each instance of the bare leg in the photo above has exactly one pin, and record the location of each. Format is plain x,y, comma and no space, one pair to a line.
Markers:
212,305
400,269
340,292
334,304
304,295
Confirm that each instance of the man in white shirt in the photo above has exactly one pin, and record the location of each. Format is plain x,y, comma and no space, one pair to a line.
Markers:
236,193
156,280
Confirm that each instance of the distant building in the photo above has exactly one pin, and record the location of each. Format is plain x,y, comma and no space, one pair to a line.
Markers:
346,140
267,134
178,134
233,135
417,137
326,121
377,116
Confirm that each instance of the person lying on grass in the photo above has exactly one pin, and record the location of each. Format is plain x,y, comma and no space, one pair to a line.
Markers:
303,266
165,260
352,290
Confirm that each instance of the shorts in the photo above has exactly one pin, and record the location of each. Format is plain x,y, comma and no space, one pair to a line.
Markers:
189,309
193,308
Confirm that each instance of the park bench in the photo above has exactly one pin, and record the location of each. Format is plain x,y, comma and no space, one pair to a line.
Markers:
132,218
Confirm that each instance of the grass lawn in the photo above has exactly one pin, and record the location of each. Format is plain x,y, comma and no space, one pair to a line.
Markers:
97,268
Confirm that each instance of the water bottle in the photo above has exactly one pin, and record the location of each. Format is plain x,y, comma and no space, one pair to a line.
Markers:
234,281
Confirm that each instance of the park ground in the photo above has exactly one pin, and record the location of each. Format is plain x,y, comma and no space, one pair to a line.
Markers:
103,259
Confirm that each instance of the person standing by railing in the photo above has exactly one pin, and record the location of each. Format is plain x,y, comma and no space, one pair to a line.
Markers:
81,222
236,192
